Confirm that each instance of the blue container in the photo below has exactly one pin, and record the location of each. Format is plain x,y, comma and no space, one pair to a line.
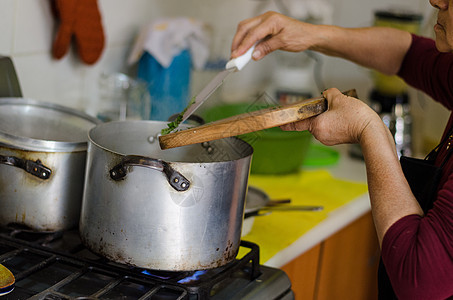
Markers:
169,88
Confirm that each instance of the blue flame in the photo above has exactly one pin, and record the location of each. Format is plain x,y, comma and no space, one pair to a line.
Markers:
195,276
146,272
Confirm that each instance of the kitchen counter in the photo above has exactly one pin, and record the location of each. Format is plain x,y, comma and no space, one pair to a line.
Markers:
284,236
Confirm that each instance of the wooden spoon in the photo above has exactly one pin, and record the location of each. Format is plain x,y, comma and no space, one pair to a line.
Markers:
248,122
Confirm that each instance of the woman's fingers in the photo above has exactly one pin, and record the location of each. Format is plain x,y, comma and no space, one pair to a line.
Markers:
243,39
331,94
296,126
273,30
343,122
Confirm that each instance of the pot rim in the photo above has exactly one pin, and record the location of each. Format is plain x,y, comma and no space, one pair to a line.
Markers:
32,144
107,124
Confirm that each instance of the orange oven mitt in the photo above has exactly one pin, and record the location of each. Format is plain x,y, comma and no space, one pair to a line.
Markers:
80,19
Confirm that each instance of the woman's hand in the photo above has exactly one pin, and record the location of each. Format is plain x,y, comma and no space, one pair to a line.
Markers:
349,120
345,121
275,31
379,48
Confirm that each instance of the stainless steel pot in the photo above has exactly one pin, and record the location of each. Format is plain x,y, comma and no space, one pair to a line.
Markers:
42,164
178,209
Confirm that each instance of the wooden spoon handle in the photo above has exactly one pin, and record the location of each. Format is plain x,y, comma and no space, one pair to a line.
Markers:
247,122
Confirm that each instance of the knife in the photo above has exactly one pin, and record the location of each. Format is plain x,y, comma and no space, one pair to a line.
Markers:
234,65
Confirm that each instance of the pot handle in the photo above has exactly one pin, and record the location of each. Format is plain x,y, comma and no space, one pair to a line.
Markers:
175,179
35,168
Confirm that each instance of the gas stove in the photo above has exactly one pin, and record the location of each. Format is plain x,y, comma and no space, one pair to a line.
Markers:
58,266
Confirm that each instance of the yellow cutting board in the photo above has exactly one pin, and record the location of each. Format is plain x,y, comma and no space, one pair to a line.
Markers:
278,230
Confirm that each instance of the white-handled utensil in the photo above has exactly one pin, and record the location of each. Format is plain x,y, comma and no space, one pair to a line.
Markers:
235,64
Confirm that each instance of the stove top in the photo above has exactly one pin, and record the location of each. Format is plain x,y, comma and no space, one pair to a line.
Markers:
58,266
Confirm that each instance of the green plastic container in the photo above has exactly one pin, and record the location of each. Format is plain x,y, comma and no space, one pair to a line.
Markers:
275,151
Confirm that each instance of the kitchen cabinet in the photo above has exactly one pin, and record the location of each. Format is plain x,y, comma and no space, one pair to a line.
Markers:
302,272
343,266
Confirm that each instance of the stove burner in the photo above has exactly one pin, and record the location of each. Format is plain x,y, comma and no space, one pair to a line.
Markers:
194,277
157,274
58,266
6,290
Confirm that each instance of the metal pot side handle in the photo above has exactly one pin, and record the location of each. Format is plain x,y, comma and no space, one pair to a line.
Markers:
36,168
174,178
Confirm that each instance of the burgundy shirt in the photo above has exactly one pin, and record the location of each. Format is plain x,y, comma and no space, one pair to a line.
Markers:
418,251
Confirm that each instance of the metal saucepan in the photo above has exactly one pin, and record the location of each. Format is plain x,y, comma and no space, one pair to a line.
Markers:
42,164
178,209
258,203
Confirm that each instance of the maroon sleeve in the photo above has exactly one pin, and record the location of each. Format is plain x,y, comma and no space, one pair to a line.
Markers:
429,70
418,251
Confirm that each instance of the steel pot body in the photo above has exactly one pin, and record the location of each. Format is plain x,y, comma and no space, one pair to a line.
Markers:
42,164
178,209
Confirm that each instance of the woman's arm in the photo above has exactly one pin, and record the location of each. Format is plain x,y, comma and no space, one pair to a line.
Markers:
378,48
390,194
349,120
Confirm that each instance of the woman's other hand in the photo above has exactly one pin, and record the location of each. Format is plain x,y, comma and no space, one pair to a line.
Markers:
275,31
379,48
345,121
349,120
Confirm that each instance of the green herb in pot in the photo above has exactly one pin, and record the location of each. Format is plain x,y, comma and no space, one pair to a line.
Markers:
173,125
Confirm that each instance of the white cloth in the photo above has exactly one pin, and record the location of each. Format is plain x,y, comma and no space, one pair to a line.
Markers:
165,38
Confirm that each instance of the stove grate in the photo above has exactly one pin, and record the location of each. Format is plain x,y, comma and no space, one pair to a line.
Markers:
44,271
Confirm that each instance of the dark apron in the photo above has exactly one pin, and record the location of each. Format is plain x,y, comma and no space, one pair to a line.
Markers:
423,178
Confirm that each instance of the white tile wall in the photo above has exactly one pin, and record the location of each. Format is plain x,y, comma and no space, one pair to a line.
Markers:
28,28
43,78
7,13
34,26
122,19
